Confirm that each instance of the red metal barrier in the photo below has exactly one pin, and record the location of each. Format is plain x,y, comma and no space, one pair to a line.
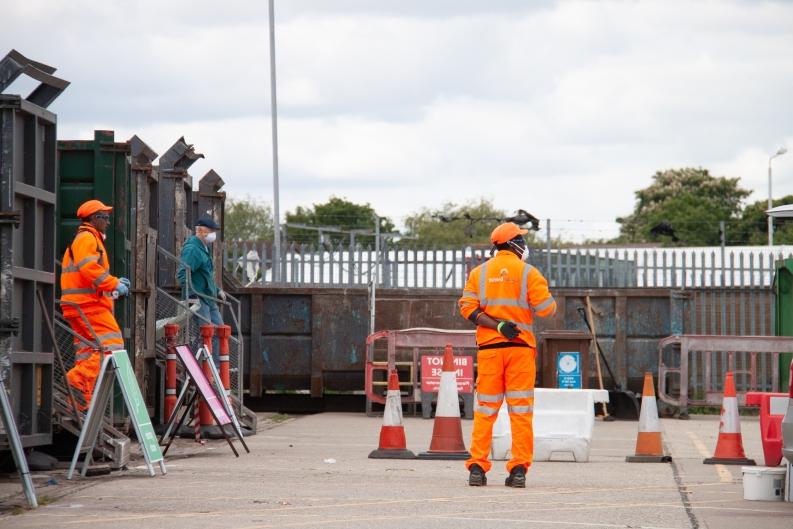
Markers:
171,331
224,332
207,332
772,411
411,342
680,356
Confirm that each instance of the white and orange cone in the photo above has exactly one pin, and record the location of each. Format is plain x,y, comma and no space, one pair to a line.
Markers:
392,434
649,448
729,447
447,432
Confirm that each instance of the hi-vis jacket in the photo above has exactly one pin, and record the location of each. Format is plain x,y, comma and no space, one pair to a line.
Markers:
85,278
506,288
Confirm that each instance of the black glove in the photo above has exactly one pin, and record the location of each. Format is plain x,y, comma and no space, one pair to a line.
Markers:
508,329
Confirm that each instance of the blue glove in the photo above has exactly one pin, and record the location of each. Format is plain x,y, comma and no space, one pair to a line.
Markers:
126,282
122,289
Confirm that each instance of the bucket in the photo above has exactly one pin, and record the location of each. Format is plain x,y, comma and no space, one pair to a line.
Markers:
763,483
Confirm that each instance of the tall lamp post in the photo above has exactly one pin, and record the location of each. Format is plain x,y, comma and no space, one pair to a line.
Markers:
274,114
779,152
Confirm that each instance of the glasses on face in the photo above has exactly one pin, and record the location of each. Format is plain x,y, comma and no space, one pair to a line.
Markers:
103,216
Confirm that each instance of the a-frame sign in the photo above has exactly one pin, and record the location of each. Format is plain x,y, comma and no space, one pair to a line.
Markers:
10,427
116,366
219,406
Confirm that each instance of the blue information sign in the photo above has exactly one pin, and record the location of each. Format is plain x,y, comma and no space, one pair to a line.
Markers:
568,370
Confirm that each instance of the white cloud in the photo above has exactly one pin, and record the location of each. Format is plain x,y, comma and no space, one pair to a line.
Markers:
564,109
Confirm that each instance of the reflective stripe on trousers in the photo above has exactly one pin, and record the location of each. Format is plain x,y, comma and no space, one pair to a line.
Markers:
504,373
87,360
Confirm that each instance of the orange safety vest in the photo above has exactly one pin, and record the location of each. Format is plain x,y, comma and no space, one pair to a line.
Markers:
506,288
85,277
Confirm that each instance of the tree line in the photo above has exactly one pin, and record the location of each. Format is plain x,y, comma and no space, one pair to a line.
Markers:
681,207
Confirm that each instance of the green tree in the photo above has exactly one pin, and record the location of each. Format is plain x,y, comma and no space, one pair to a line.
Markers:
247,219
452,224
752,227
683,206
340,217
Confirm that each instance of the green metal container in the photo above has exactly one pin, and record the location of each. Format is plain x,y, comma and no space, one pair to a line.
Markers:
100,169
783,288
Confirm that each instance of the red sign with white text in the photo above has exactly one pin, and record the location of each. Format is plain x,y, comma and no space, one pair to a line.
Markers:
432,366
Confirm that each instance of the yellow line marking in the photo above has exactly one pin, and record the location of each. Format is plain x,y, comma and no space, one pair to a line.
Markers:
552,522
724,475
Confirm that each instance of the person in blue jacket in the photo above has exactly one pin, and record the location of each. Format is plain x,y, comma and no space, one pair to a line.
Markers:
197,256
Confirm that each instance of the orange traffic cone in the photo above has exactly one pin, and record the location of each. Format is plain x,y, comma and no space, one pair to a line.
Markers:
392,434
648,443
447,432
729,447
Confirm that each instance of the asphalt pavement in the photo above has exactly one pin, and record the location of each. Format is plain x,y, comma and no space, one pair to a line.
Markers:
313,471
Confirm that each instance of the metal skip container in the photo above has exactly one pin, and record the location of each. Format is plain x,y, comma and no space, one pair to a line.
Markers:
28,185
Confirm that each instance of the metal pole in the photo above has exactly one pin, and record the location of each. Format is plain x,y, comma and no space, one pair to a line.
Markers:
374,276
274,114
17,451
770,205
548,247
723,233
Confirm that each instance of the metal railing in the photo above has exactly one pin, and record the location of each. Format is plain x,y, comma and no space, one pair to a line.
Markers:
170,309
402,267
692,368
403,350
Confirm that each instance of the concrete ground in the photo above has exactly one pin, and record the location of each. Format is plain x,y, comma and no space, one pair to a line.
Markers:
313,471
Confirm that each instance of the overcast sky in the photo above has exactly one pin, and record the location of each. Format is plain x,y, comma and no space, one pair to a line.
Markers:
560,108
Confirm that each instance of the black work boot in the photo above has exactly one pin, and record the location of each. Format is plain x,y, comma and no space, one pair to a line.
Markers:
477,476
516,478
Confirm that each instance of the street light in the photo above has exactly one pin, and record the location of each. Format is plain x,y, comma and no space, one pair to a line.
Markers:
780,152
274,115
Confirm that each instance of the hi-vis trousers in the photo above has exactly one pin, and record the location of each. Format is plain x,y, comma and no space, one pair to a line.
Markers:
87,360
507,372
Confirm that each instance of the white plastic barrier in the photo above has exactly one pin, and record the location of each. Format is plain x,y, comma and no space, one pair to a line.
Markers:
563,422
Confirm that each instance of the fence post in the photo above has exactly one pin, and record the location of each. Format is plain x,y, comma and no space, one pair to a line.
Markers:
548,247
373,277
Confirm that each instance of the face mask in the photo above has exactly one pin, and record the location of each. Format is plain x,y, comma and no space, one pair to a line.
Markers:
524,256
210,237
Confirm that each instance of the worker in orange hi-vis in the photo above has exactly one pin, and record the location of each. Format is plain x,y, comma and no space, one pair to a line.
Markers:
502,296
86,282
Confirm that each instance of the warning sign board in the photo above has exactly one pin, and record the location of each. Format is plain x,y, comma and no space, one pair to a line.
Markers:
432,366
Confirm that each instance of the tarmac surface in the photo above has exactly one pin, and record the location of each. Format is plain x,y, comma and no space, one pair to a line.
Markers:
313,471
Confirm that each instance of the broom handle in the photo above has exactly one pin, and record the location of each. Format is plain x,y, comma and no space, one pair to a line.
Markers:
597,352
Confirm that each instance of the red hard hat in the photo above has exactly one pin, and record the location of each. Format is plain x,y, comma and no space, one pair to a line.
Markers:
90,207
506,232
